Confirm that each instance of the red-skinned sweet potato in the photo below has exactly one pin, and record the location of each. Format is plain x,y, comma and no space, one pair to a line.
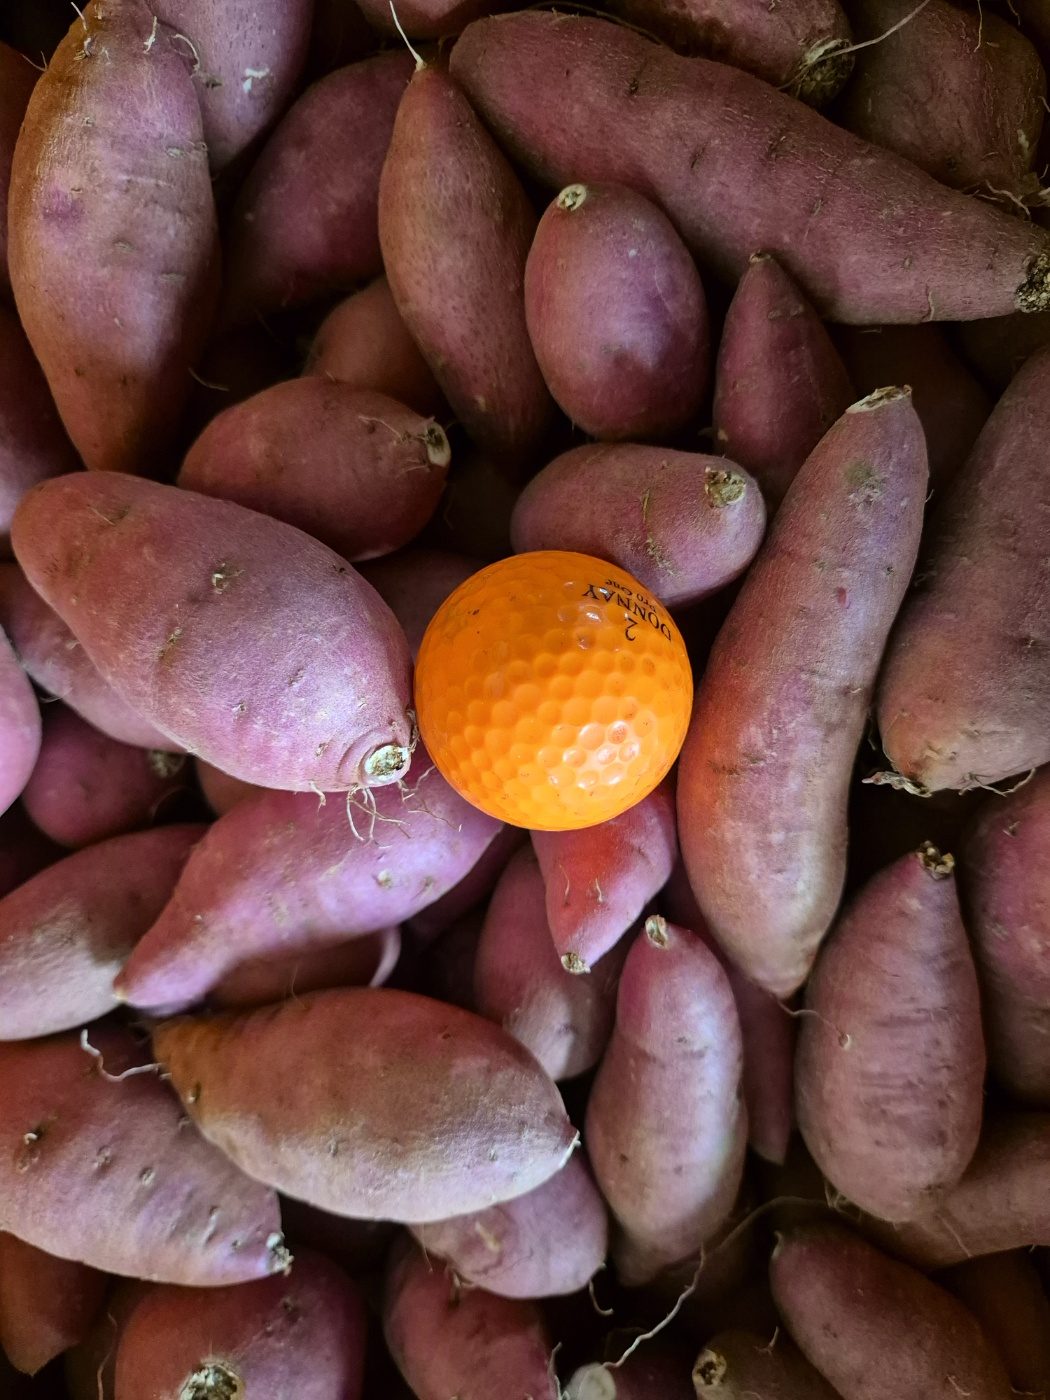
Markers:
996,348
738,1365
455,226
104,1169
666,1129
683,523
17,80
19,726
219,789
415,582
236,364
299,1337
483,1125
281,873
158,584
779,381
90,1367
47,1304
353,468
649,1374
764,775
583,99
472,890
1005,1294
616,314
366,961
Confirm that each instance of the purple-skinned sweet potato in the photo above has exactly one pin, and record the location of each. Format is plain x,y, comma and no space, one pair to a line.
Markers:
875,1327
20,728
889,1074
455,227
583,99
359,1130
70,928
650,1373
17,80
449,1340
666,1128
304,223
167,591
1006,1295
599,879
683,523
354,469
366,961
779,381
617,315
47,1304
548,1242
1006,883
363,342
415,582
220,790
764,775
282,872
86,787
116,332
520,983
101,1167
965,689
471,891
298,1337
739,1365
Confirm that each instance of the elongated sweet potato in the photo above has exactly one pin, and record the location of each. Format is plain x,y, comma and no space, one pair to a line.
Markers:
117,101
447,1340
415,582
889,1075
281,873
548,1242
17,79
366,961
581,99
47,1304
19,726
359,1130
305,219
104,1169
683,523
666,1128
740,1365
353,468
167,590
475,515
1006,881
965,690
1005,1294
455,227
780,712
300,1337
779,381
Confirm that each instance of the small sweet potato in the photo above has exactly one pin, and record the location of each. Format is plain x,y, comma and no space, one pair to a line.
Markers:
353,468
47,1304
683,523
19,726
236,363
17,79
415,582
425,19
357,1129
649,1374
1006,1295
102,1167
739,1365
366,961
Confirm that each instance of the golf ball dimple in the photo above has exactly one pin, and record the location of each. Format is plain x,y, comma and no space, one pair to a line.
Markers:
553,690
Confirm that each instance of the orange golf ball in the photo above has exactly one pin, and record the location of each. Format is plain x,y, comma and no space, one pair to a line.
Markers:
553,691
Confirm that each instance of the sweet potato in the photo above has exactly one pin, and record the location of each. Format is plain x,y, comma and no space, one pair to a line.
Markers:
166,590
359,1130
965,689
299,1337
281,873
548,1242
765,771
116,112
354,469
779,381
997,348
1005,1293
983,128
415,582
426,19
56,661
479,501
583,99
24,851
445,965
219,789
889,1075
448,1340
366,961
86,787
90,1367
236,364
666,1130
363,342
455,226
19,726
472,890
600,878
17,79
616,314
105,1170
304,223
649,1374
683,523
739,1365
46,1304
520,983
69,929
1006,882
874,1327
887,822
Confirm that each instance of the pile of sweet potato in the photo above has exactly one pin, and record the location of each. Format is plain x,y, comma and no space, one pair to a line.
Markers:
316,1082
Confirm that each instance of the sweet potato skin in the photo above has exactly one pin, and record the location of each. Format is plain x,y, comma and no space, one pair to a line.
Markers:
366,961
116,99
765,771
158,584
1005,1293
484,1125
17,79
415,582
46,1304
20,728
581,99
219,790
